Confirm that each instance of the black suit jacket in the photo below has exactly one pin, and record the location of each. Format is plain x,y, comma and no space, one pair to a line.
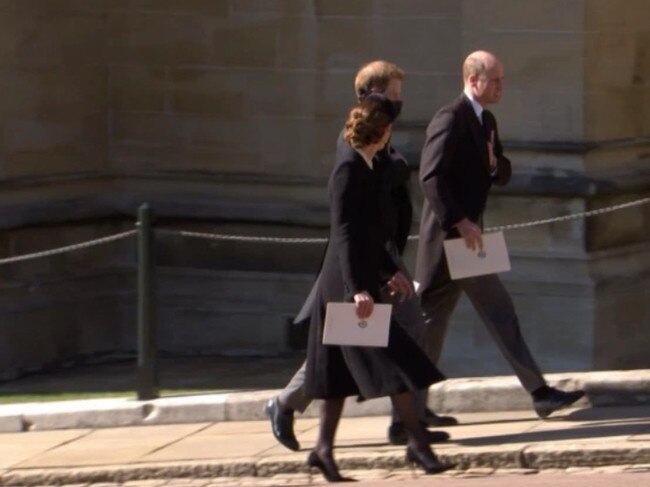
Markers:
456,179
398,213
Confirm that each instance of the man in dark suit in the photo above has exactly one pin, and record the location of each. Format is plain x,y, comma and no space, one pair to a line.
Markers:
462,157
384,78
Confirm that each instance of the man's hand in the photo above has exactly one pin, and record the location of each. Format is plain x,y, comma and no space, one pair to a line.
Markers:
471,232
399,285
364,304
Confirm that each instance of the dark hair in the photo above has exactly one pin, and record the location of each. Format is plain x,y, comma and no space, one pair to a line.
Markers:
376,74
368,120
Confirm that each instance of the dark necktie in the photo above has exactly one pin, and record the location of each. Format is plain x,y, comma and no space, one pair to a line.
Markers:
485,124
488,133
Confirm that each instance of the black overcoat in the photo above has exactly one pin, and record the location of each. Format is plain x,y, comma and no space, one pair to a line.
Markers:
354,261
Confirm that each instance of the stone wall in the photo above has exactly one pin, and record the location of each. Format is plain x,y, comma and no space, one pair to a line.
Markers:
223,115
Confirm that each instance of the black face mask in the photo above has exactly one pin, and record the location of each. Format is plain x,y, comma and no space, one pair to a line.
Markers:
387,105
397,104
397,107
392,108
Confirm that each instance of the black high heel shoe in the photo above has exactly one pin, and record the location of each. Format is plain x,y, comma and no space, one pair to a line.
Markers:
431,466
329,470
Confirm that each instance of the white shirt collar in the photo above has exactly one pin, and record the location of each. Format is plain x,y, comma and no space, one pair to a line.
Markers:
478,109
365,158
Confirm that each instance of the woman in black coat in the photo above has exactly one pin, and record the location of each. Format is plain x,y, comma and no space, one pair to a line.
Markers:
355,267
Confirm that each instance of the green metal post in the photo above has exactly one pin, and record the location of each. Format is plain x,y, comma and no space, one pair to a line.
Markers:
147,386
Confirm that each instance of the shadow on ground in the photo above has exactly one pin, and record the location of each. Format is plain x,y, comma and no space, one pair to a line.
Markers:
589,423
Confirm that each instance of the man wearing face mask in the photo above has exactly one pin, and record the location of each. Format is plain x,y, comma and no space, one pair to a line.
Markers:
377,77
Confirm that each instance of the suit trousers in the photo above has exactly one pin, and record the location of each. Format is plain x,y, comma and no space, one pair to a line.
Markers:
495,308
407,313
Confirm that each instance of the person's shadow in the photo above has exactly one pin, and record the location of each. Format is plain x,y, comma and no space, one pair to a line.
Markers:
591,423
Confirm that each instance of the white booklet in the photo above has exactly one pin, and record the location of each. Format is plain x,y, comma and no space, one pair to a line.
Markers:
463,262
344,327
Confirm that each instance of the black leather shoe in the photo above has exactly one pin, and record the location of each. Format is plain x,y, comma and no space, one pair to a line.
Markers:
397,435
555,399
432,419
281,425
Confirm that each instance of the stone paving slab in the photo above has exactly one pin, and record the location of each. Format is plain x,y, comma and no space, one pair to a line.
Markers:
111,446
19,447
517,440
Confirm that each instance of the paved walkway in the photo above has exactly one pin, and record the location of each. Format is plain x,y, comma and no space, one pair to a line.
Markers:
223,438
588,437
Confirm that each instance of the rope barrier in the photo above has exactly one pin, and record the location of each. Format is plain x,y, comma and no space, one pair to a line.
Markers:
242,238
573,216
289,240
68,248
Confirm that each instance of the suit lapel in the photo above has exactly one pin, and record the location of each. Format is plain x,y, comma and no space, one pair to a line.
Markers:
478,135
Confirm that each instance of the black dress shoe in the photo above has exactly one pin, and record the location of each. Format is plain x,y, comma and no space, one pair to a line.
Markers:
281,424
432,419
555,399
397,435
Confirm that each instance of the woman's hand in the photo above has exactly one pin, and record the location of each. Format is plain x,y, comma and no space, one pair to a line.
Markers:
364,304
